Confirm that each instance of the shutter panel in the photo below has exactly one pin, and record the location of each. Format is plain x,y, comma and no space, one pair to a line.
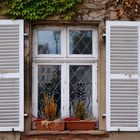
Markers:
122,55
11,75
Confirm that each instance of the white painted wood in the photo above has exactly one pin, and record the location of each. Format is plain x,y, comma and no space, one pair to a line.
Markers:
21,74
94,87
108,77
11,75
35,90
68,89
64,88
139,78
62,37
64,101
94,91
122,79
94,41
64,60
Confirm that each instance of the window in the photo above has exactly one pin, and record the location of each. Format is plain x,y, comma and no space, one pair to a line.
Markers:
65,70
48,42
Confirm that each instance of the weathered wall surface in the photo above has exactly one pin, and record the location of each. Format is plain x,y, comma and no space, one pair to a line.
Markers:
111,136
89,12
9,136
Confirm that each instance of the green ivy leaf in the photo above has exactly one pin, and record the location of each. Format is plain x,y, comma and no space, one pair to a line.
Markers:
40,9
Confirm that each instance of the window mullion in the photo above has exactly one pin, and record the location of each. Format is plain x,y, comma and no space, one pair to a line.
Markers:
67,89
64,92
64,60
94,90
35,91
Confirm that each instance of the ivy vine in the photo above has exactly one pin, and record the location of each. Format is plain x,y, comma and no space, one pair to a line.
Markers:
130,8
39,9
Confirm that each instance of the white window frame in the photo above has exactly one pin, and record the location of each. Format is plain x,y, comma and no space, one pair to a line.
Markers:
94,87
63,41
65,87
65,60
94,41
35,87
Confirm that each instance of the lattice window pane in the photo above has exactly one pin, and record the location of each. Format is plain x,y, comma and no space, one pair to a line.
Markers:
49,83
81,90
80,42
49,42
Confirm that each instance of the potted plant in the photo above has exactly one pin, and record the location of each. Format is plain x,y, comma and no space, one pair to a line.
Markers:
50,110
80,121
77,124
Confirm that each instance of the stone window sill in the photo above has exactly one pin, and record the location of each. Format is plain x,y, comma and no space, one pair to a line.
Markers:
91,132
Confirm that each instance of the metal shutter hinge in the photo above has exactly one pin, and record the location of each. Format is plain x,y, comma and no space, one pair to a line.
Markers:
25,115
25,34
104,115
104,35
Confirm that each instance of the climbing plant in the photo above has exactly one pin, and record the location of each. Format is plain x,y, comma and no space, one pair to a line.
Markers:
39,9
123,8
130,8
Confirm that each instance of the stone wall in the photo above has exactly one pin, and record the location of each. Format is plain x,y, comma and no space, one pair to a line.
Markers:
107,136
90,12
9,136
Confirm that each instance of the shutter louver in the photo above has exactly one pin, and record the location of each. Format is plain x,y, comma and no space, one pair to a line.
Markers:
124,50
122,57
9,48
11,75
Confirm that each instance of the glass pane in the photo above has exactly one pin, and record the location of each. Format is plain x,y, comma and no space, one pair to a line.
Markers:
49,91
49,42
80,42
81,91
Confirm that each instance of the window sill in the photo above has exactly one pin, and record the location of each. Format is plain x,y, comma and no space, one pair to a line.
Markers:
83,132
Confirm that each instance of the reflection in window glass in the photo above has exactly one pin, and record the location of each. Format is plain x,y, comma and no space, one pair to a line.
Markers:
49,42
80,42
49,88
81,91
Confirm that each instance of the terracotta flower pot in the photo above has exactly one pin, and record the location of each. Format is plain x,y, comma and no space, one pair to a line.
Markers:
80,125
50,126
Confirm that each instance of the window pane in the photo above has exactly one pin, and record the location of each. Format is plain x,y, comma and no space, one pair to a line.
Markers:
49,42
81,91
80,42
49,86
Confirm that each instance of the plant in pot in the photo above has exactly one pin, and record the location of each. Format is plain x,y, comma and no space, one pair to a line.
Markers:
80,122
50,110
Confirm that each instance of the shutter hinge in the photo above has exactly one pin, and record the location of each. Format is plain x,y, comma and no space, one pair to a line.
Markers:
104,115
25,115
25,34
104,35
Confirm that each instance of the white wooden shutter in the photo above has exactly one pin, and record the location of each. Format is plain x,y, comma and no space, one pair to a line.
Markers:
11,75
122,81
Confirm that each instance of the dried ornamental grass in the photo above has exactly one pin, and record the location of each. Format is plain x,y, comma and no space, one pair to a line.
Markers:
50,108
